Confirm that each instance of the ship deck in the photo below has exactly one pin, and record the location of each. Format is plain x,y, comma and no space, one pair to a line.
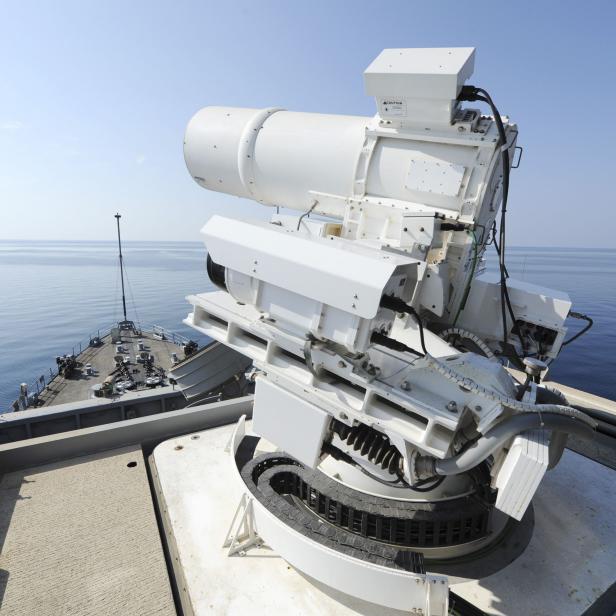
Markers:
84,531
61,390
80,537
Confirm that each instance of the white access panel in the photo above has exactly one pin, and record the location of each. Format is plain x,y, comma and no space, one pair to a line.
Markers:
522,472
333,271
295,425
435,176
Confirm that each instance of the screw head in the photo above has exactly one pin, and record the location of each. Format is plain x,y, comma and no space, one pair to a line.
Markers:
452,406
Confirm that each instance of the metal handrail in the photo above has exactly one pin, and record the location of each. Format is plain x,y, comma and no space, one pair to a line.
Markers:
40,383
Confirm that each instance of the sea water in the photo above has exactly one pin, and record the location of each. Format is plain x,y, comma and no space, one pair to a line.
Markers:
55,295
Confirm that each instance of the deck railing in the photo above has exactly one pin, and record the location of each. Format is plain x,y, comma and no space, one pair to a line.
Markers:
38,385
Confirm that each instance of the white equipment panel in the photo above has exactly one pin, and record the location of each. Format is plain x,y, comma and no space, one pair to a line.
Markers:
522,472
295,424
435,176
333,271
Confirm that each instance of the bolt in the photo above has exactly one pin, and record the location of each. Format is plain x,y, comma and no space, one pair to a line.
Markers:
341,364
405,385
478,408
452,406
343,416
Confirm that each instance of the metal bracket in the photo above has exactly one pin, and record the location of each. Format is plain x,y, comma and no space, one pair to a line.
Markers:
521,150
236,436
241,535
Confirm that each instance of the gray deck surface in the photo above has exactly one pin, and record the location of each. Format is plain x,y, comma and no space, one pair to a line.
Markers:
79,537
62,390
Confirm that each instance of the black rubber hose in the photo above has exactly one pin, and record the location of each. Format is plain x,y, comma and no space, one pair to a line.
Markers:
589,324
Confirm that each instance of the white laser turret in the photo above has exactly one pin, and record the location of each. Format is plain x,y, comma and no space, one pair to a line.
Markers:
376,336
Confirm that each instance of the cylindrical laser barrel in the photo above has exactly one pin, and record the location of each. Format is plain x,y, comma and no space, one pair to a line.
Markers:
273,156
291,159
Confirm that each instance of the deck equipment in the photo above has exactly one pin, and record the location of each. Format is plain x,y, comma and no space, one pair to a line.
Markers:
401,443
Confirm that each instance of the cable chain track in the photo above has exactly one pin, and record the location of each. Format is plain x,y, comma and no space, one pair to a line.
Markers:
374,529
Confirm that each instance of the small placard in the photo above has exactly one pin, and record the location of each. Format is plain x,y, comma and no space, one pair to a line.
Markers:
392,106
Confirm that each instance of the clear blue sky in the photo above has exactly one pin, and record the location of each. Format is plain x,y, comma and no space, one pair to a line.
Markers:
95,97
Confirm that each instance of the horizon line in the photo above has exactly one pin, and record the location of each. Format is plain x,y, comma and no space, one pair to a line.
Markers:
127,241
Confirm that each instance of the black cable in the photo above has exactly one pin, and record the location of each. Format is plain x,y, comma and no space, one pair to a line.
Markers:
394,345
398,305
412,311
342,456
425,485
516,327
397,483
584,317
471,93
496,246
420,486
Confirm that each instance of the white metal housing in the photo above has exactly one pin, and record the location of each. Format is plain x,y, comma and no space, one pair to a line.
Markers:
419,85
408,198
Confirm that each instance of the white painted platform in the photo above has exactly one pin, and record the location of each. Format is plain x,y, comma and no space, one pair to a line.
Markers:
568,564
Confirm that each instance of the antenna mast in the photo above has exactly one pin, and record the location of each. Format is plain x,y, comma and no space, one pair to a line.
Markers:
117,217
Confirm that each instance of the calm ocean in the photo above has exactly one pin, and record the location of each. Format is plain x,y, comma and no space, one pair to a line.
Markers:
55,294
